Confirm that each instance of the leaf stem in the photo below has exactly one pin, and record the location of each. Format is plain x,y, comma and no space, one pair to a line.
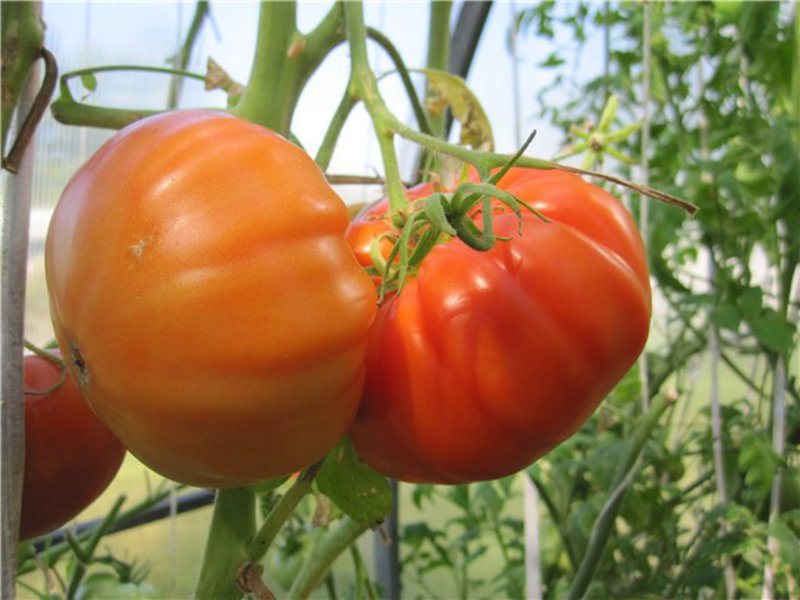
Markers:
343,110
490,160
402,70
84,554
181,58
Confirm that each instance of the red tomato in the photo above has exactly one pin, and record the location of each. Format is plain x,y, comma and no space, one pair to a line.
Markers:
202,287
485,361
70,456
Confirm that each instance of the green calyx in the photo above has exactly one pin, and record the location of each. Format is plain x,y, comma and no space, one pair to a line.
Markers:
438,218
441,216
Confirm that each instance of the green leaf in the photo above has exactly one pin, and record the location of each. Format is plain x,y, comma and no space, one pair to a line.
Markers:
446,89
758,461
554,60
750,302
268,485
726,316
89,81
773,333
788,544
361,493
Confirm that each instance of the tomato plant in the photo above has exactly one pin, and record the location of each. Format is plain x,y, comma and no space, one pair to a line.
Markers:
70,456
207,301
485,361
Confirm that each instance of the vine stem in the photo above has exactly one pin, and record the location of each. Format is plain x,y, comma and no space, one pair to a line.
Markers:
233,525
258,547
485,161
325,551
626,470
367,89
181,58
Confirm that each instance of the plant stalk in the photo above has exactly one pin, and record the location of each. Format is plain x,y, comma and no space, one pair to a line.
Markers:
325,551
233,526
261,543
367,89
623,477
438,52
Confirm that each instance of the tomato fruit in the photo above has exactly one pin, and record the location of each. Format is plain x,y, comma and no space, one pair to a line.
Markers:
204,293
487,360
70,456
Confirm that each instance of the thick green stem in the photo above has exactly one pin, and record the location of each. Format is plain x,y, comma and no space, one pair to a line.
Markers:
284,60
328,548
439,51
367,88
22,39
269,89
233,526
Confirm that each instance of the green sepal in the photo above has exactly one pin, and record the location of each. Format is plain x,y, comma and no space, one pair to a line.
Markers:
435,211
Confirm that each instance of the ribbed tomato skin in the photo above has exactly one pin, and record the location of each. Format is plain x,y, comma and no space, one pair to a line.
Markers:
485,361
202,288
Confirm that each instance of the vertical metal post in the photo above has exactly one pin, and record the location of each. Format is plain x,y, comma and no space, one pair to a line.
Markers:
387,555
15,223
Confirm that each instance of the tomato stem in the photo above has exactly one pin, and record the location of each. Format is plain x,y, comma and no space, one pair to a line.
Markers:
485,161
262,541
85,553
438,52
233,525
324,552
22,39
284,61
367,89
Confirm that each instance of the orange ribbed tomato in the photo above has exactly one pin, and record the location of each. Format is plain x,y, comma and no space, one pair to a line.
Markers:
487,360
207,301
70,456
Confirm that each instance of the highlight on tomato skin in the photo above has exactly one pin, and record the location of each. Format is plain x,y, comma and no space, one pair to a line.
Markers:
201,284
487,360
70,455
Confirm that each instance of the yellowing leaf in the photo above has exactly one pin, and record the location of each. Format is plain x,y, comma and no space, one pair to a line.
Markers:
446,89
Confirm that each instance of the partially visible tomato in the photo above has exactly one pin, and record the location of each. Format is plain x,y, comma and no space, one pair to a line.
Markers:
70,456
203,291
485,361
375,221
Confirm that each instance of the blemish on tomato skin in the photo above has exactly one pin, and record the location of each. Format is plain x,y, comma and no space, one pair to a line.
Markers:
138,248
78,367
